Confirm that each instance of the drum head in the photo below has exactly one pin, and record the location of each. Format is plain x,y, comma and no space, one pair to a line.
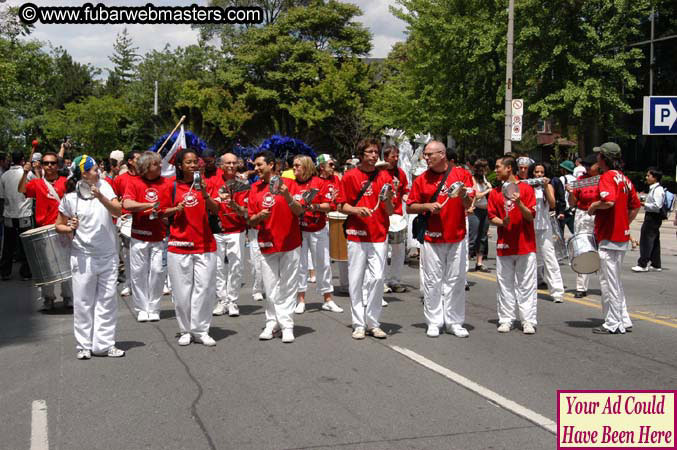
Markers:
586,263
397,223
38,230
509,189
335,215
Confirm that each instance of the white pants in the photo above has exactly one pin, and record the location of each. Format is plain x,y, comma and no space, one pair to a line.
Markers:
229,275
255,258
95,301
444,278
343,273
583,223
47,291
193,290
125,244
516,276
394,271
366,261
310,260
614,306
318,244
546,258
411,242
147,274
280,278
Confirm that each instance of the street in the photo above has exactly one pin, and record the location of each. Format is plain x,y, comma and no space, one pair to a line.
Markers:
326,390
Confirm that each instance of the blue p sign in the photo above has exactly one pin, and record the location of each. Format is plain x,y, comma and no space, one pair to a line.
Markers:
660,115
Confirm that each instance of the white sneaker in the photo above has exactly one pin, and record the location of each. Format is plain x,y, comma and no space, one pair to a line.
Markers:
332,306
528,328
233,310
504,327
142,317
358,333
84,354
112,352
300,308
166,291
269,332
458,331
312,279
205,340
557,300
433,331
220,309
377,333
185,339
258,297
126,292
387,289
640,269
153,317
288,335
384,303
655,269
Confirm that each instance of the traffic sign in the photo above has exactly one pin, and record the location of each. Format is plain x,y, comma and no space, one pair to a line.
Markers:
660,115
517,107
516,133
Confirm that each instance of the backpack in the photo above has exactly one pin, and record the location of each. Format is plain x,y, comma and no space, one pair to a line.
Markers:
668,204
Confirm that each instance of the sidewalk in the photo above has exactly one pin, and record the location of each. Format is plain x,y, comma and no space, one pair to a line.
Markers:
668,237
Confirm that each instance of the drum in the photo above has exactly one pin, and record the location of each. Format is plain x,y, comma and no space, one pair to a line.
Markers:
48,254
338,245
125,225
397,233
583,256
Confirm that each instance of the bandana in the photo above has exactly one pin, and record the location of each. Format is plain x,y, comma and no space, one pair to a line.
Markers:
524,161
83,163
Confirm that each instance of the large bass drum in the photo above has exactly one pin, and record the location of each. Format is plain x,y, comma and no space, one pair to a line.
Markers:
583,255
48,254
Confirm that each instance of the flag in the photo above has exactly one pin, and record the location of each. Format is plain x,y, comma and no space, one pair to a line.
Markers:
168,169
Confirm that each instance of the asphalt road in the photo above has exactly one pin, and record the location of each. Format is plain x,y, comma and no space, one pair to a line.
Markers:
326,390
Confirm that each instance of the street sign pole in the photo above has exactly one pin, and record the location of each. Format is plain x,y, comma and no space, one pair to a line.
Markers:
507,142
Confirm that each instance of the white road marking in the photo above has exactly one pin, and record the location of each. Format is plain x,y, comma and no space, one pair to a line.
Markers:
490,395
39,437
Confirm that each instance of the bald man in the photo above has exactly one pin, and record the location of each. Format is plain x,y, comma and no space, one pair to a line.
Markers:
230,241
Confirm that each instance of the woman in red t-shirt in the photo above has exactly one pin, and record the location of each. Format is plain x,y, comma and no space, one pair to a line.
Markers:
315,234
191,260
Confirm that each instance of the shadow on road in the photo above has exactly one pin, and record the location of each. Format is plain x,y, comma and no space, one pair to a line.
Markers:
590,323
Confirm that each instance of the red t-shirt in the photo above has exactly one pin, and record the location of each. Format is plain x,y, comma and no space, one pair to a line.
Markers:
189,232
46,206
120,183
449,225
613,224
585,196
400,188
141,190
365,229
333,189
231,221
518,238
313,220
281,232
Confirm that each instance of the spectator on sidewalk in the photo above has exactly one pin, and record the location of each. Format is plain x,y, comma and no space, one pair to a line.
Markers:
650,237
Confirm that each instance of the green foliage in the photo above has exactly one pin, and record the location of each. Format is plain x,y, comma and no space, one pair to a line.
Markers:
124,60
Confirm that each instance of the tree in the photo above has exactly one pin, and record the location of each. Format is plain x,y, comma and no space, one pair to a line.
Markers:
124,60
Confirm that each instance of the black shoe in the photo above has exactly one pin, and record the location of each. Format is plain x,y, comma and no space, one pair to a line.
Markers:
602,330
481,268
581,294
542,285
467,287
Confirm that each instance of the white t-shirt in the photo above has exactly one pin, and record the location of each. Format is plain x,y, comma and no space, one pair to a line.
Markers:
542,219
578,171
96,233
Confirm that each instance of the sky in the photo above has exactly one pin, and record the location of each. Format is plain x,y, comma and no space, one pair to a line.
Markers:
93,44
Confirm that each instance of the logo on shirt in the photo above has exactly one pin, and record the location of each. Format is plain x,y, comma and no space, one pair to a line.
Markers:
190,199
369,191
268,200
152,195
509,205
332,192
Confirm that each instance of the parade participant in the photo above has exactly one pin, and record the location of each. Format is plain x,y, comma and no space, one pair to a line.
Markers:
315,234
393,281
523,163
144,196
566,217
115,160
120,186
614,210
47,192
515,249
479,221
230,241
445,249
583,222
366,232
191,258
94,258
546,258
211,169
650,237
276,214
18,217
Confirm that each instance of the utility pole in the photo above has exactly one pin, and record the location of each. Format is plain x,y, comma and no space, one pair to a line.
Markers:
651,61
507,143
155,105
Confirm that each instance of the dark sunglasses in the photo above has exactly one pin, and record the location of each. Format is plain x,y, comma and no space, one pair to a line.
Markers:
49,163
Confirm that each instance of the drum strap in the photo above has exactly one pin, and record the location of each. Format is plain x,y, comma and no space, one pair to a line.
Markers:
439,186
359,197
51,189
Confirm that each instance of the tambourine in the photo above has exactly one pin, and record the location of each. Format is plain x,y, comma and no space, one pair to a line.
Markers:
274,186
509,189
383,195
535,182
235,185
454,190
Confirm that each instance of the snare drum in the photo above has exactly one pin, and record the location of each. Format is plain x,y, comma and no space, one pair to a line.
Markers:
48,254
397,232
583,255
338,245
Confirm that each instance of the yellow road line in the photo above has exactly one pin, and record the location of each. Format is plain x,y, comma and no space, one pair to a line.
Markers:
572,299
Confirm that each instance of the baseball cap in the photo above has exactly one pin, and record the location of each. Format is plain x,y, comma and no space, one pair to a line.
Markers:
609,149
324,158
117,155
567,165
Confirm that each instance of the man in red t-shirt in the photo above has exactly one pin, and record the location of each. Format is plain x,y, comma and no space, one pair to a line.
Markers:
583,197
616,207
124,222
515,247
445,250
366,230
393,280
276,215
47,192
230,241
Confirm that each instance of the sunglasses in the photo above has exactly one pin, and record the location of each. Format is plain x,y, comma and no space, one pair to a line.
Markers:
49,163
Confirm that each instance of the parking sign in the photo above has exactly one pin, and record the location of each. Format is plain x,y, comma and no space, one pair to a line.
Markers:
660,115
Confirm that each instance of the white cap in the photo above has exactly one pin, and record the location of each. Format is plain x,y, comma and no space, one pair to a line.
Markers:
117,155
36,157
